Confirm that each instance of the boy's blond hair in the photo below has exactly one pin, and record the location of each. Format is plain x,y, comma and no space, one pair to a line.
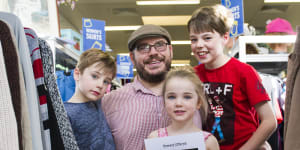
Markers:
188,72
211,18
93,56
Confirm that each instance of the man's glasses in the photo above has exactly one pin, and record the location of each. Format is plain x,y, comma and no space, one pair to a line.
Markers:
146,48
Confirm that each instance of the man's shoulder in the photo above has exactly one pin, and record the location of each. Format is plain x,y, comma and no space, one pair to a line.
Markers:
125,88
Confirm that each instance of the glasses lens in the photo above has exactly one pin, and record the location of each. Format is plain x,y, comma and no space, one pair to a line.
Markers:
160,46
142,47
145,48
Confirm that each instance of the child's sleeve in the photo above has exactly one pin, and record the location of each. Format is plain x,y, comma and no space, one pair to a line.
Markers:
255,90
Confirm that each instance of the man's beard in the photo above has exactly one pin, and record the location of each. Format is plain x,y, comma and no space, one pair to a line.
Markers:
153,78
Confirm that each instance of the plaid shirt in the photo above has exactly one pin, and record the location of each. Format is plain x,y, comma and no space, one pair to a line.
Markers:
132,113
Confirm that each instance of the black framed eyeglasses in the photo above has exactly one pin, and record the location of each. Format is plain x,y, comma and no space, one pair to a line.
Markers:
146,48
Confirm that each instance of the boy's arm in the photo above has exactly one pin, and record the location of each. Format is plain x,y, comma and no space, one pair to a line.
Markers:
267,126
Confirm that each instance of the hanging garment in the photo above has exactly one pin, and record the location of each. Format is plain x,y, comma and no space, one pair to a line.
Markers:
8,124
17,87
51,135
26,127
273,87
66,84
11,62
292,100
31,92
37,66
60,112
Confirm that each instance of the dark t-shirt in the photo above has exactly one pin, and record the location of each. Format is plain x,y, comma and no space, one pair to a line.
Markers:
90,126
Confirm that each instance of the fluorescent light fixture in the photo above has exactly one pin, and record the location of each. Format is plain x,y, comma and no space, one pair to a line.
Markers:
281,1
175,65
123,54
166,20
121,28
180,62
171,2
181,42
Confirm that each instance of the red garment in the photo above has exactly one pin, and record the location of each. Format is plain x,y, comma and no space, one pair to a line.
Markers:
234,89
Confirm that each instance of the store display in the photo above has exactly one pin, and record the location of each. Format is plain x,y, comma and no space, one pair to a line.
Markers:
74,38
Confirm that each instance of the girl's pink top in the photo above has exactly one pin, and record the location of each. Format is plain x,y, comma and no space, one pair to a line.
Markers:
162,132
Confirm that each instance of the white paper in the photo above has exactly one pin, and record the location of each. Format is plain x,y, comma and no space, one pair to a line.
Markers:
192,141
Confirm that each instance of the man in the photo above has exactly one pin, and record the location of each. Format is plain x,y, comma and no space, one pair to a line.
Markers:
136,109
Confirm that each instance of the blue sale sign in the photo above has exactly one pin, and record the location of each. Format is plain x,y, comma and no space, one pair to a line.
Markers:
93,34
237,9
124,67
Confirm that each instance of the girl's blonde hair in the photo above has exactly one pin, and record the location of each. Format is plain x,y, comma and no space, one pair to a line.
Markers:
211,18
187,72
92,56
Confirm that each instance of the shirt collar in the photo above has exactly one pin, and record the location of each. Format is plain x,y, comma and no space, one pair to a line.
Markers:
138,87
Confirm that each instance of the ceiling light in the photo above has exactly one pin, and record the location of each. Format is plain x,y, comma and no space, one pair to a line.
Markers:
166,20
120,28
126,54
180,62
281,1
173,2
181,42
176,65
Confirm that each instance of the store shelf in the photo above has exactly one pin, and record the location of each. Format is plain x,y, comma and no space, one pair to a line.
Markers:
243,40
68,51
267,58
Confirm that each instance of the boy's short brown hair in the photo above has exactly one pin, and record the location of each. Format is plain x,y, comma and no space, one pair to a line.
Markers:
211,18
92,56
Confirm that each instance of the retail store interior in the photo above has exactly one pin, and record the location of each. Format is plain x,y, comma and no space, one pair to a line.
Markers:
55,33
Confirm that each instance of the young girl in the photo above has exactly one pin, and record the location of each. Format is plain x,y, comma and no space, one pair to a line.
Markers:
183,94
236,94
93,74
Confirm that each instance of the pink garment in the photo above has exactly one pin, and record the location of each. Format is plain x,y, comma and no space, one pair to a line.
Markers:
162,132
